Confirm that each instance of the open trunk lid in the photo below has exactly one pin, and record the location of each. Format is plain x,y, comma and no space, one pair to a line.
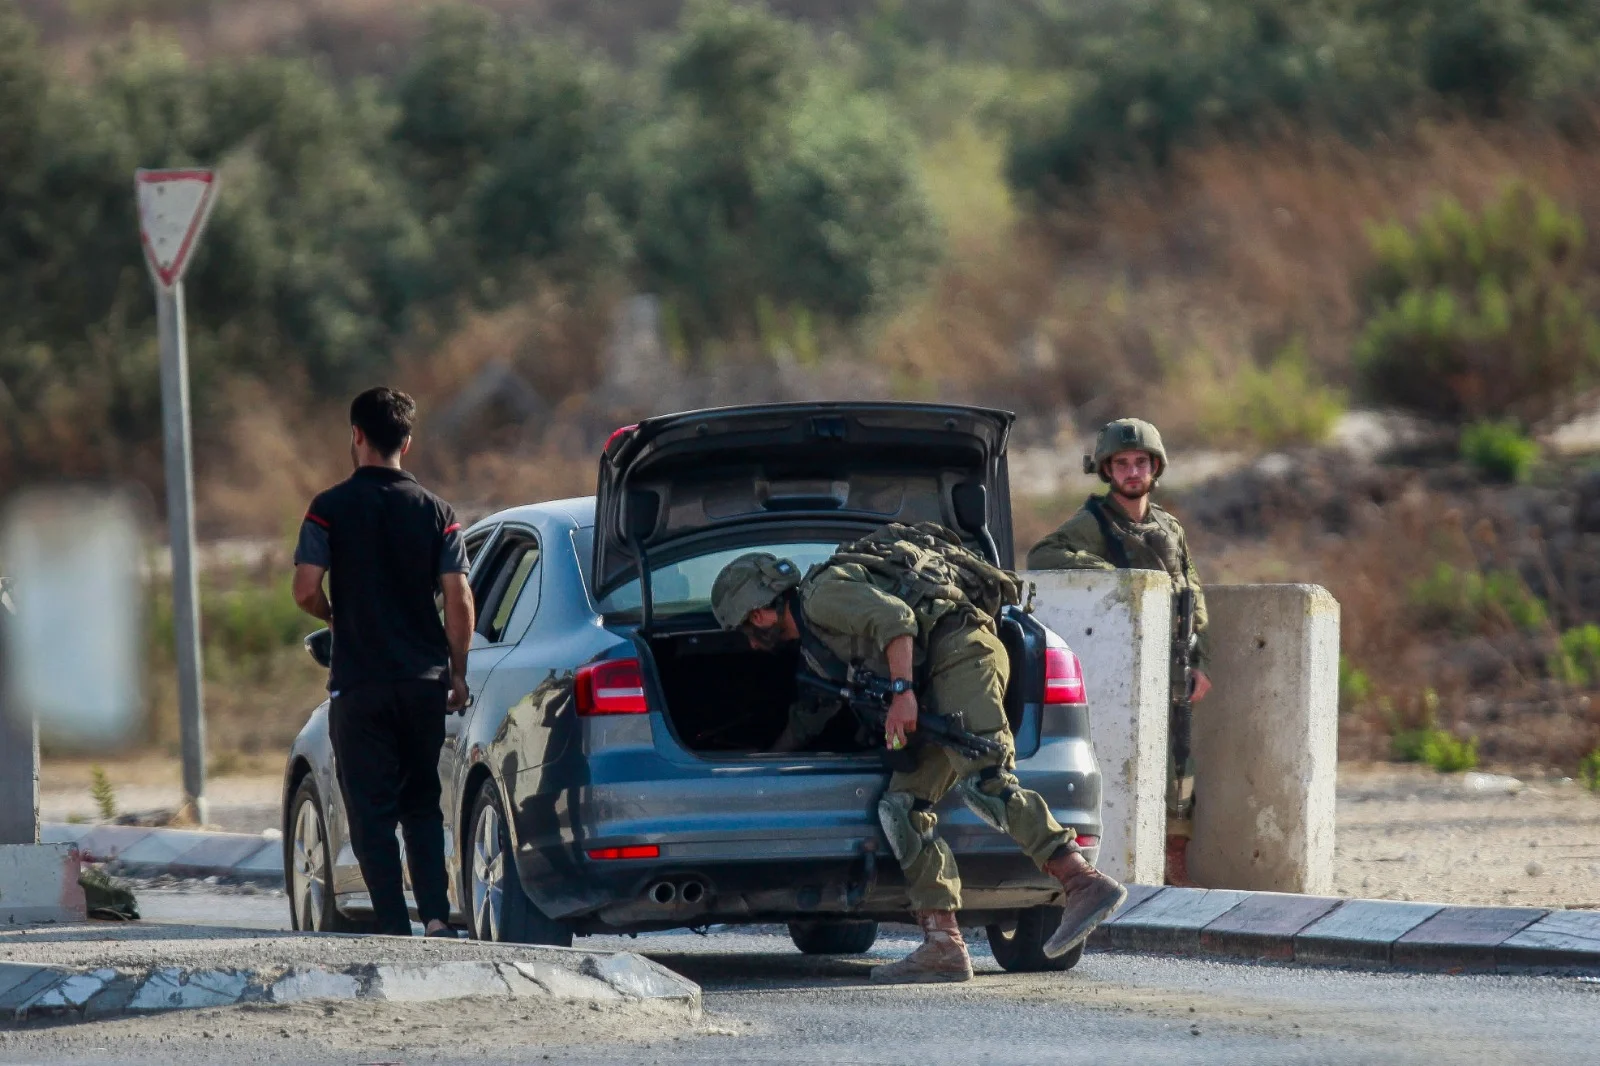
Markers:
682,485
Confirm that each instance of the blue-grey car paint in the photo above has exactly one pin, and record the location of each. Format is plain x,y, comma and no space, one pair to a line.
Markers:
769,835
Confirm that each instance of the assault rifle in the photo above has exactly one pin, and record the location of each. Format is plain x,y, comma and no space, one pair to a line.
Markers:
869,696
1184,644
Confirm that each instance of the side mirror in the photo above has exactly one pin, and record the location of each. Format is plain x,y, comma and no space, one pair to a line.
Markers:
971,500
641,512
320,647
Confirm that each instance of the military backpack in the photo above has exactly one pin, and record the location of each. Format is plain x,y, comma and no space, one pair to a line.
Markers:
927,562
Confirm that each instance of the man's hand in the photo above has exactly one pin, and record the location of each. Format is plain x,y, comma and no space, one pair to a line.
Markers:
458,694
1202,685
308,594
901,721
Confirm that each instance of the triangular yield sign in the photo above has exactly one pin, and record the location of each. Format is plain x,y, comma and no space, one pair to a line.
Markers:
173,207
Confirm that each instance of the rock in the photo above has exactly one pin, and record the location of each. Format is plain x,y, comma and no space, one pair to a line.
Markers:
1535,869
1491,784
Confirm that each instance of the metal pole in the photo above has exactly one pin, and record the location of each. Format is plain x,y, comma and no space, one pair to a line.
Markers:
180,526
19,765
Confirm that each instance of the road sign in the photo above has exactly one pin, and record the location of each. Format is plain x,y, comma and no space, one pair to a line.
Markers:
173,208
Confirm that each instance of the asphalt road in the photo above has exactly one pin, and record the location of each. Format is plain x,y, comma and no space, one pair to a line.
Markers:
765,1003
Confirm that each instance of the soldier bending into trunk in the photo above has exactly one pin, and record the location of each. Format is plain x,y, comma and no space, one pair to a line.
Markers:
861,616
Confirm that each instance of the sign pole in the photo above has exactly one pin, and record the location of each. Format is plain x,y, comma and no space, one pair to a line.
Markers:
173,208
180,530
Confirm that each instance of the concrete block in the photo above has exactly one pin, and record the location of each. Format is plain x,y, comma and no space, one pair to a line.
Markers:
216,853
567,984
1119,626
639,978
1462,938
1264,925
1561,940
19,989
157,849
1360,931
173,988
300,985
105,843
1171,921
441,980
39,883
1266,740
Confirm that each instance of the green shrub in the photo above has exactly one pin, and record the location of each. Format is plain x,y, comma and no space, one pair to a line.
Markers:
1578,661
1439,748
1355,687
1472,601
1480,315
1272,406
103,793
245,622
1499,450
1589,770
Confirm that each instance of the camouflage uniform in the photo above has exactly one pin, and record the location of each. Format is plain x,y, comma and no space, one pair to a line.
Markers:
1157,543
962,669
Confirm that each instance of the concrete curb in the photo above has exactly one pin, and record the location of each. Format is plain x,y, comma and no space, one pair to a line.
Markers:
143,851
1365,933
64,994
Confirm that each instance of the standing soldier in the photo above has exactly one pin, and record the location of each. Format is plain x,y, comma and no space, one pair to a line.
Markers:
1124,530
937,651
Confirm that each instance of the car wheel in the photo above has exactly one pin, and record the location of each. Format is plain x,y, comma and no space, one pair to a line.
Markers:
1022,949
833,938
497,908
308,868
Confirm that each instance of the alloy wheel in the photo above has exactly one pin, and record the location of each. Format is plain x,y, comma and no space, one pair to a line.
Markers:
488,864
310,886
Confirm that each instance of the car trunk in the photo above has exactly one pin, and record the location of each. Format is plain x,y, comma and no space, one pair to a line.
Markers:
725,700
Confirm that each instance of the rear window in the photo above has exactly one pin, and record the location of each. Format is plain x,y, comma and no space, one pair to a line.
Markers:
684,587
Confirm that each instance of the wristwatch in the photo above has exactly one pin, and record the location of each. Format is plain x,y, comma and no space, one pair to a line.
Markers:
899,686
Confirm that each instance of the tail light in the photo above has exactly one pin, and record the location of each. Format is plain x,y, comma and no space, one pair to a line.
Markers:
616,435
1083,841
632,851
615,686
1063,678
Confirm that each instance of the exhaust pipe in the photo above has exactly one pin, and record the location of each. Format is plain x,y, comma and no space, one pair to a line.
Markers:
692,892
662,892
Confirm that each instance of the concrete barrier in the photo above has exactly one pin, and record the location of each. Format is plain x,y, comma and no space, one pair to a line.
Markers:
1266,741
39,883
1118,624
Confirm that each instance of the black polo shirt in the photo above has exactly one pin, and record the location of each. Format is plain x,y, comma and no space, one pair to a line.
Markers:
384,540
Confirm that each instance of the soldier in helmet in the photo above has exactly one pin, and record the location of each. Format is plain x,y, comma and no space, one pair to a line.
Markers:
1126,530
947,654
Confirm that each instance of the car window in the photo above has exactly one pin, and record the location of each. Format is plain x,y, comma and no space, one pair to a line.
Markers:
684,587
506,578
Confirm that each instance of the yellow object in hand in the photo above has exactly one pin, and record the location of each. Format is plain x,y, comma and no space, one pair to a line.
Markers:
896,743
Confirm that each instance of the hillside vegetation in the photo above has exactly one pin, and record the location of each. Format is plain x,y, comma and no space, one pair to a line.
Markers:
1236,217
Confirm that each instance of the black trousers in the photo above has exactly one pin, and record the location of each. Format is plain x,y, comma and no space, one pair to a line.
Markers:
386,741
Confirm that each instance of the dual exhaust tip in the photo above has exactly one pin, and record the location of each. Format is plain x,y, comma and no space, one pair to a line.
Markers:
667,893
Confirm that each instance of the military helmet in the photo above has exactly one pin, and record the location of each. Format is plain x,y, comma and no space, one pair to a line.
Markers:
1123,435
750,582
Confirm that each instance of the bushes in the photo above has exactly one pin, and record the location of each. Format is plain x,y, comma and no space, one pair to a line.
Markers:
1273,406
1472,601
1589,770
1480,316
1499,450
1578,660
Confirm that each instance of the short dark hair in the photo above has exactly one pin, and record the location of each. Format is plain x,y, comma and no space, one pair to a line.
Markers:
385,416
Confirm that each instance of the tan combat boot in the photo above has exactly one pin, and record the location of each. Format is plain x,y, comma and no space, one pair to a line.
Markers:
942,956
1091,898
1178,862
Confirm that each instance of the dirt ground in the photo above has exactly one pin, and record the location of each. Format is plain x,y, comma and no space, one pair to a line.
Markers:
1404,832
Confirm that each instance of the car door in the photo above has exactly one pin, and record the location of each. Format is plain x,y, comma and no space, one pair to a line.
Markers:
507,566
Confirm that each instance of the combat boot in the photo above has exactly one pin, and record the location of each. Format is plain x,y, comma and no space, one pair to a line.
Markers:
1178,862
1091,898
942,956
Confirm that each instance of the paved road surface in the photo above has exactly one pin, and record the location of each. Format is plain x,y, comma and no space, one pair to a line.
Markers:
767,1004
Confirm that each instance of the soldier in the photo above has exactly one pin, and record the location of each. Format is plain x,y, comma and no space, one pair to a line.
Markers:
852,614
1125,530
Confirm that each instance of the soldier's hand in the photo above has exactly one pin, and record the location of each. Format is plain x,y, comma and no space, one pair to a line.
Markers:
901,720
1202,685
457,701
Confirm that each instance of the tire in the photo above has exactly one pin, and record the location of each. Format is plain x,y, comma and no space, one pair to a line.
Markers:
497,908
1022,949
308,869
833,937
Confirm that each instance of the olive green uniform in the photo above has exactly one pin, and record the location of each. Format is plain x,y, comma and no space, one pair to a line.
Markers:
1157,543
961,669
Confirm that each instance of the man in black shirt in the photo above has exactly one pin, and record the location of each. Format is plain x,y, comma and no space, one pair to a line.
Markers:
387,546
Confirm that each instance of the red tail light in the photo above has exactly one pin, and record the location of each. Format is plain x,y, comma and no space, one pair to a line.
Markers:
612,687
1083,842
1063,677
616,434
634,851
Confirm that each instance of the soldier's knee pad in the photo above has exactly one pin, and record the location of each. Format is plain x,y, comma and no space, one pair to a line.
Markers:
908,823
987,794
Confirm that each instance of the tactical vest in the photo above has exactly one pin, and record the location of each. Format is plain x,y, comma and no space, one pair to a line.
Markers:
1177,567
926,563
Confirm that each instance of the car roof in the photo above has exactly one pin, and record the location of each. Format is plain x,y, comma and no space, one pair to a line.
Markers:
579,510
